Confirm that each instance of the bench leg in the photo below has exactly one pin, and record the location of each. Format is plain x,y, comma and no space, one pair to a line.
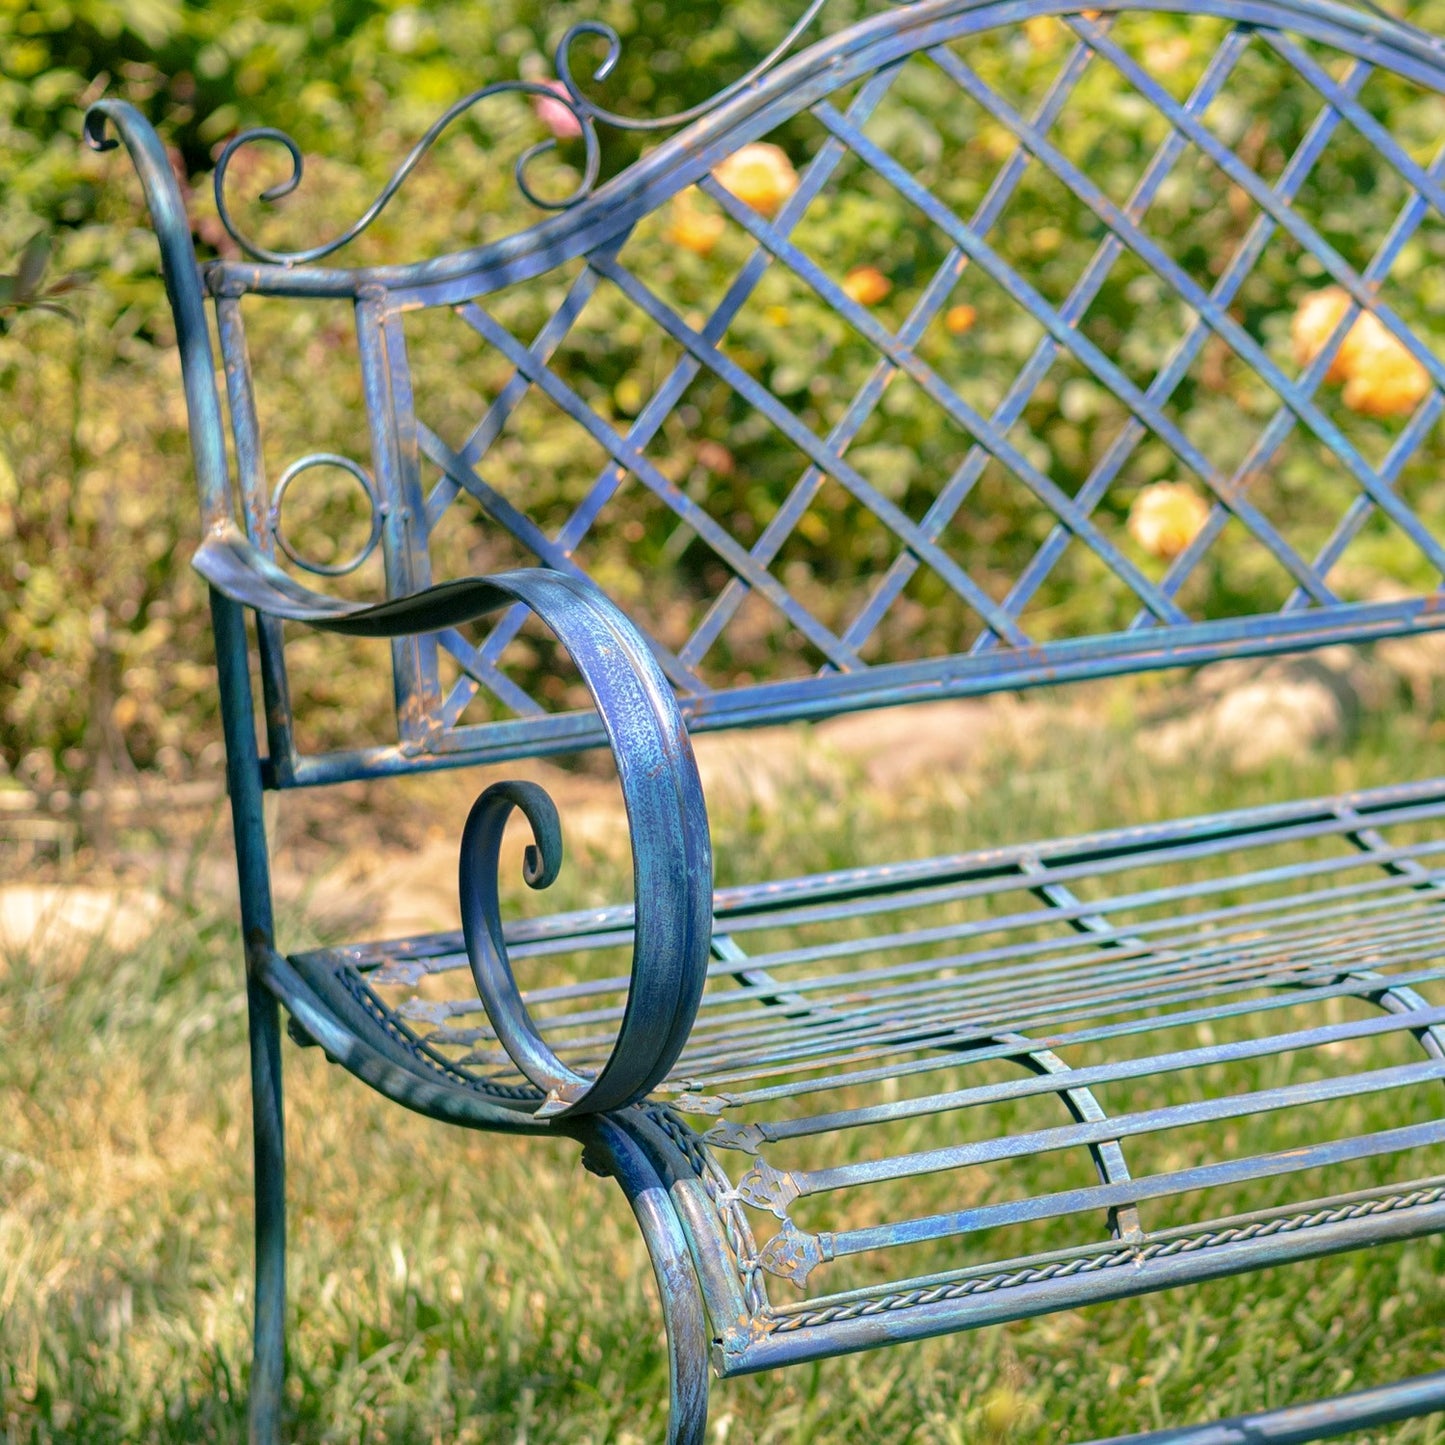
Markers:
682,1307
243,783
268,1360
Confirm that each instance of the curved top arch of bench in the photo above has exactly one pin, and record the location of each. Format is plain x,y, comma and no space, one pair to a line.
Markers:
786,91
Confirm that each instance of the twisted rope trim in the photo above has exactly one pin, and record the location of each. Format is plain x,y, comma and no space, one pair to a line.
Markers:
736,1231
355,985
783,1324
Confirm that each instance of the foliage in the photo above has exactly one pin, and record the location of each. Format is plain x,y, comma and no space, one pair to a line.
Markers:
101,622
26,289
103,625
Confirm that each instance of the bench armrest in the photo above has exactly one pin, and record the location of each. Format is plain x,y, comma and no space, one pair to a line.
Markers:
667,817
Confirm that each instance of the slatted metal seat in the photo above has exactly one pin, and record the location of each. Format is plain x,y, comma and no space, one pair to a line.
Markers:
974,978
1106,1064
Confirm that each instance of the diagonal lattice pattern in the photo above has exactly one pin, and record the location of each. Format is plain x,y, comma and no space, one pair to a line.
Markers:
812,496
853,151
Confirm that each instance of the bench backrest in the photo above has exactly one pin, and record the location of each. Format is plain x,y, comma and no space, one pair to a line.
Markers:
860,429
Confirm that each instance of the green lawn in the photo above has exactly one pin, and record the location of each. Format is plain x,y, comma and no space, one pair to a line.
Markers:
454,1287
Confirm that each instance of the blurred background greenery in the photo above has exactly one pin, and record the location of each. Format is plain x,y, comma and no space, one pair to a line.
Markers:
102,624
420,1308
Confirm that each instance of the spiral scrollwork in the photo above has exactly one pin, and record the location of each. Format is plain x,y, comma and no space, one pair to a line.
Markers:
605,32
590,168
482,926
565,92
666,813
278,532
671,856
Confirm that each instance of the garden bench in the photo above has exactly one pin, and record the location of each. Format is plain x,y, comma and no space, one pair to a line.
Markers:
1204,398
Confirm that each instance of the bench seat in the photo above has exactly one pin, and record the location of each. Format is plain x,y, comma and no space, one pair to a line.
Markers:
1103,1065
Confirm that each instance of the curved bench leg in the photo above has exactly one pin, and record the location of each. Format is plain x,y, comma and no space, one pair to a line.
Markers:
268,1360
682,1307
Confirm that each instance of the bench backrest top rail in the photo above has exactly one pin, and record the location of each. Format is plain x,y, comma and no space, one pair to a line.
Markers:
877,434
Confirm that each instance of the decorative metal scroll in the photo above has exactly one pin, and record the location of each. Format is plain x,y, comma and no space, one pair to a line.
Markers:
667,819
278,531
566,92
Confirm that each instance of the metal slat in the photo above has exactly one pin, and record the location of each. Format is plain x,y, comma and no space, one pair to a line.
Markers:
1119,1126
1318,1420
1135,1191
1149,1066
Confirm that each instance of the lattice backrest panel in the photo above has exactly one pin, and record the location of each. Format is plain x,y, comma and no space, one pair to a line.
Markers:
973,348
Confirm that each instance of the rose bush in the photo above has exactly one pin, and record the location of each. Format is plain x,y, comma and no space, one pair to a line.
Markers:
102,625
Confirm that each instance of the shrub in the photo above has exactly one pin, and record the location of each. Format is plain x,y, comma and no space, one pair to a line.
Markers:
102,622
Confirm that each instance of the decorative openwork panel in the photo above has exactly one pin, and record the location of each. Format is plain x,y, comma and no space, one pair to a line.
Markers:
1031,345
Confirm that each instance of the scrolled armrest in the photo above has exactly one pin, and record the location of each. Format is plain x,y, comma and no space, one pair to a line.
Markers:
666,814
238,569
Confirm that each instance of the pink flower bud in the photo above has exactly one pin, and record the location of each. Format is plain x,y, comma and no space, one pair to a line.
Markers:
557,117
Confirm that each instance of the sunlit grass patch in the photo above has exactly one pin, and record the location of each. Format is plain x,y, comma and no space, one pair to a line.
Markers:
447,1286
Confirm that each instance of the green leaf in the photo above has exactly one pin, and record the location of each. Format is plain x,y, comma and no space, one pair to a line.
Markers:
33,261
72,281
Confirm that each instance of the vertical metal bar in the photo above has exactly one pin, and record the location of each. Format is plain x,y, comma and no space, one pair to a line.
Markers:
612,1150
243,764
243,780
183,290
408,460
386,387
255,503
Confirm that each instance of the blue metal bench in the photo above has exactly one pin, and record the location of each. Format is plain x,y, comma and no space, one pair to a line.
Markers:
749,1078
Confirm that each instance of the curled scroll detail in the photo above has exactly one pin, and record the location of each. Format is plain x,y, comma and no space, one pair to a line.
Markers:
590,167
482,925
666,812
671,863
605,32
586,113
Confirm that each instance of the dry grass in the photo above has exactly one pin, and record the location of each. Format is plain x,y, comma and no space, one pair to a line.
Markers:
455,1287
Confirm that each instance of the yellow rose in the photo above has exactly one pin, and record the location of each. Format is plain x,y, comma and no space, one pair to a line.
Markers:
1166,518
692,229
1384,379
866,285
1164,57
1314,320
1381,377
1043,34
759,174
958,319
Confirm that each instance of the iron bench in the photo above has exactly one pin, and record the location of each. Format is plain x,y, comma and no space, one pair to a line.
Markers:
1233,458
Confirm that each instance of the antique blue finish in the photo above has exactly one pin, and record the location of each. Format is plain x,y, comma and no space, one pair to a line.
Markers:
1121,1003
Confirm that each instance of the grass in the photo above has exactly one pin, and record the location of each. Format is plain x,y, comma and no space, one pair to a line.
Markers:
456,1287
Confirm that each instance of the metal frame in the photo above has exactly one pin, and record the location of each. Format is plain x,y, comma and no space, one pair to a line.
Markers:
647,696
